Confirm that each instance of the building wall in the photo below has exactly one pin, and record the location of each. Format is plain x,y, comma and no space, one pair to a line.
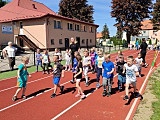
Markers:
55,34
6,35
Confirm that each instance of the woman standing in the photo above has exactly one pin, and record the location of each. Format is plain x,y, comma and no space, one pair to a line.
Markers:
10,51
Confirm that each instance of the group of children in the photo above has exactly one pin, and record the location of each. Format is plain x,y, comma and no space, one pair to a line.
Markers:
98,62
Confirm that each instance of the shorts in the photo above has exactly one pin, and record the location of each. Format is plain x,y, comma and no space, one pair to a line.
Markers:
85,71
68,62
56,80
39,62
78,80
128,81
122,78
21,83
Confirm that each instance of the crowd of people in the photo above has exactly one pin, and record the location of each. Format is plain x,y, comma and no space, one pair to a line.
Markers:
97,62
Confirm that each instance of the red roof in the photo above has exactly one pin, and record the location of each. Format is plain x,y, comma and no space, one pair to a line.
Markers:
147,25
27,9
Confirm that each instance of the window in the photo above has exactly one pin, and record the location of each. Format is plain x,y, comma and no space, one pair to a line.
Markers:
21,25
83,28
144,31
77,27
60,41
52,41
83,41
91,29
57,24
90,40
70,26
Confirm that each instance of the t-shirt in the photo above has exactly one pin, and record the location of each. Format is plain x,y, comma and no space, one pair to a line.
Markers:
143,47
138,62
11,51
74,48
100,60
119,67
75,63
45,58
57,69
23,72
86,60
38,56
58,54
67,56
78,70
107,66
130,72
93,57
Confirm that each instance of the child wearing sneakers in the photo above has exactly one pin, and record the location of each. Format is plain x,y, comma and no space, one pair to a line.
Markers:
58,72
131,72
139,62
99,61
38,59
22,78
78,77
121,75
86,64
108,69
75,63
68,60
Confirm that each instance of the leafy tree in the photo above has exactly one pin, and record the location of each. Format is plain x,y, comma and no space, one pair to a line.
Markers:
156,15
78,9
2,3
129,14
105,32
119,34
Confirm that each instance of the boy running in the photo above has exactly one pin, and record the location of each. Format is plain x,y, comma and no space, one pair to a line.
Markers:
38,59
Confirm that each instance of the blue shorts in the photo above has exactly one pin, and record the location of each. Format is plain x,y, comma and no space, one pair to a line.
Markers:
21,83
122,78
56,80
39,62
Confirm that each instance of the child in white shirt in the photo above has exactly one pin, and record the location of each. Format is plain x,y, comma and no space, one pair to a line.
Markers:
138,61
68,60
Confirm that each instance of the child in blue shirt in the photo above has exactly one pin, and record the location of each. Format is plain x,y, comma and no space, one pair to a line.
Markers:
22,78
108,69
38,59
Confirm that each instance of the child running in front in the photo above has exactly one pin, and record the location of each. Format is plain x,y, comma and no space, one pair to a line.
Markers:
108,69
22,77
131,72
78,77
38,59
86,64
121,75
139,63
100,60
58,72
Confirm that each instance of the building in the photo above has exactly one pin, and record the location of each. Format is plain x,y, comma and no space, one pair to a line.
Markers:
33,25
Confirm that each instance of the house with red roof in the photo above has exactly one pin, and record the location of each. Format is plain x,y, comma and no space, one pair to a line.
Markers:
31,24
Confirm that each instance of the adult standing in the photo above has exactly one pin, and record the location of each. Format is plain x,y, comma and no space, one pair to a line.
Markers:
143,51
73,47
10,51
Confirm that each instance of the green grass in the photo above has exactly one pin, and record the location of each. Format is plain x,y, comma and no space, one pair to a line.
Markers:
9,74
156,91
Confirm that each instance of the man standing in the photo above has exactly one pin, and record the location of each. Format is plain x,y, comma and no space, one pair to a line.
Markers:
143,51
10,51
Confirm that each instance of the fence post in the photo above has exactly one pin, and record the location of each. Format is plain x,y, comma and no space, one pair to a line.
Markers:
34,57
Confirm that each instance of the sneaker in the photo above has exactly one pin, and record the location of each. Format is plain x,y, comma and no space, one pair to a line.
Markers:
23,97
77,95
87,84
136,94
146,65
126,97
97,85
108,94
83,96
104,93
62,88
14,98
72,81
53,95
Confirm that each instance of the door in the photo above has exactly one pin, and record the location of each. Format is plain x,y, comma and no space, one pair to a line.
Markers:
67,43
78,41
21,28
21,42
87,43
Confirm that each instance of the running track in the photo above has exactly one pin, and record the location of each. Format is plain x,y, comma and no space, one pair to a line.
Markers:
40,106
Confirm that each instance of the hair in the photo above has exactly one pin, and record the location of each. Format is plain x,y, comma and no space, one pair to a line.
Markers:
24,58
121,56
143,39
79,58
107,55
131,57
76,52
9,43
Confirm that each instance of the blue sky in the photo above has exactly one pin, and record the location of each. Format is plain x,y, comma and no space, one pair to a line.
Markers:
101,16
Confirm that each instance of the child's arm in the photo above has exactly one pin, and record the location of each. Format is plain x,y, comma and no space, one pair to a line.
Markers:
80,71
63,73
111,71
137,73
124,69
18,73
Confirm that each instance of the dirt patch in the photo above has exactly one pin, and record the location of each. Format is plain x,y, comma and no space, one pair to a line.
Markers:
145,111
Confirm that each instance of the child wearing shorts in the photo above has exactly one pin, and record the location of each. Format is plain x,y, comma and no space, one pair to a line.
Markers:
131,72
38,59
108,69
78,77
58,72
22,76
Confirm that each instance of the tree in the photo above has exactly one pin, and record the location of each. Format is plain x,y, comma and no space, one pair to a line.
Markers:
156,15
119,34
78,9
105,32
129,14
2,3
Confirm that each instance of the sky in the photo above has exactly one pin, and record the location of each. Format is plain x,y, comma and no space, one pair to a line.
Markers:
102,9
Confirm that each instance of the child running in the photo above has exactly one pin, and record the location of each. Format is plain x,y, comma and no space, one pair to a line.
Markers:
46,61
86,64
68,60
139,62
78,77
22,76
131,72
58,72
121,75
38,59
93,58
108,69
100,60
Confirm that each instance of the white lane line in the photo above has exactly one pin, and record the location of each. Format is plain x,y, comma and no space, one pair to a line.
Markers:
140,91
74,104
28,98
27,83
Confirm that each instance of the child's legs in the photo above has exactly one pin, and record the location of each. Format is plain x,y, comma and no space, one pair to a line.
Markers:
18,90
23,91
109,85
104,83
56,83
134,86
86,73
99,71
127,89
78,86
44,66
119,81
47,67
